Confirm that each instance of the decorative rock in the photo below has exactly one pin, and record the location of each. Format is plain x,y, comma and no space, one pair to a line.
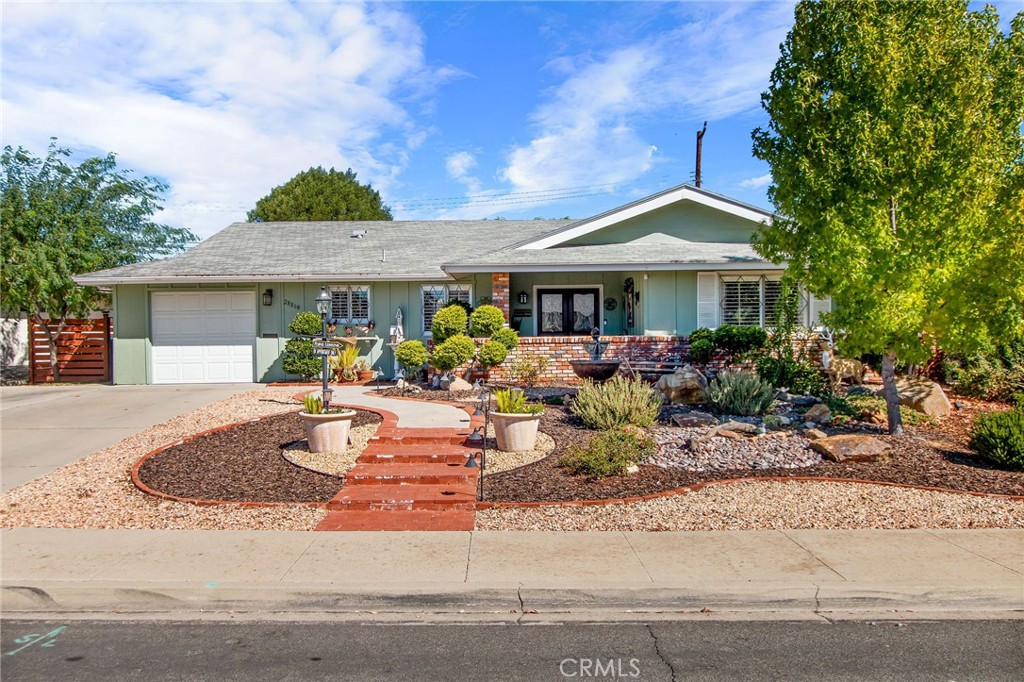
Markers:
732,435
435,383
803,400
851,448
809,425
632,469
873,415
685,386
859,390
459,384
819,414
923,396
445,383
735,427
815,434
785,421
691,419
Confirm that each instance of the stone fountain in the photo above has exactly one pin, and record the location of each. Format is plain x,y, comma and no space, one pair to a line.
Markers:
595,368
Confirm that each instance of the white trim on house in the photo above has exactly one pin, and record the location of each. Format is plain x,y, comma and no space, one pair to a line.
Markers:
605,267
653,203
536,302
90,281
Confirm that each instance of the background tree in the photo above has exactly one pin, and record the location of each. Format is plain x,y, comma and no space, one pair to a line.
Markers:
61,220
896,156
318,194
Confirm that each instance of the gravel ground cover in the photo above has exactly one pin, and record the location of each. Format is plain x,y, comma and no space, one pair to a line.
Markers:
331,463
767,505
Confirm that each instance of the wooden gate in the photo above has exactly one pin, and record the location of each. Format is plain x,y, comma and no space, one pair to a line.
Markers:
83,351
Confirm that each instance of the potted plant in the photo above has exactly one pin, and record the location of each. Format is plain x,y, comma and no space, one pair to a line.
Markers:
515,421
344,363
364,372
326,431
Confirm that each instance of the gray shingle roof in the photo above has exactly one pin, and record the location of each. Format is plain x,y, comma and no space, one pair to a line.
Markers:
318,250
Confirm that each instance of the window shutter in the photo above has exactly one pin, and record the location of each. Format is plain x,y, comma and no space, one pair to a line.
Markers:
707,299
816,306
360,304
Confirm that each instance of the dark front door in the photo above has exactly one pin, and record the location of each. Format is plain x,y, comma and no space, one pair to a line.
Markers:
567,312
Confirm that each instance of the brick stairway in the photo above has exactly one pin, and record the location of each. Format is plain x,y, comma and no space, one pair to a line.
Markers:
408,479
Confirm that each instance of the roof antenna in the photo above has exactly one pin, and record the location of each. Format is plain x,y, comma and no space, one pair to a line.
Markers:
700,143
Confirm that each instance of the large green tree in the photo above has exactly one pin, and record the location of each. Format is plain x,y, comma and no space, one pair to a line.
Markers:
59,220
318,194
896,155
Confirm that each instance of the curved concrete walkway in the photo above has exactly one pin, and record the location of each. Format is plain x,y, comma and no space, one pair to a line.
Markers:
412,414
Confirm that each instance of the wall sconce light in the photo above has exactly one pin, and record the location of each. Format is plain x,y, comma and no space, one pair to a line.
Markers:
523,297
268,297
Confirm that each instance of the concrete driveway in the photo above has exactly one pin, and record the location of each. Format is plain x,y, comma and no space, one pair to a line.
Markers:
45,427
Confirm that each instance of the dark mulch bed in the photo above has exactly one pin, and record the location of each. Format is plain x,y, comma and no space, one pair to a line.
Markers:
928,455
243,464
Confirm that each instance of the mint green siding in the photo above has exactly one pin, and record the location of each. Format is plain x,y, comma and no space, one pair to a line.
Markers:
131,334
669,302
685,220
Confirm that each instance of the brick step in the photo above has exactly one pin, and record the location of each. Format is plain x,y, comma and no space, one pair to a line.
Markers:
405,474
402,497
405,437
416,519
429,456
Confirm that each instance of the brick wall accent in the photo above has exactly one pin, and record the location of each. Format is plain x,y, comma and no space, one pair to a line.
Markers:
500,292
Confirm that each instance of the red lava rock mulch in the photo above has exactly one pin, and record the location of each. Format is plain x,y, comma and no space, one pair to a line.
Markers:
243,464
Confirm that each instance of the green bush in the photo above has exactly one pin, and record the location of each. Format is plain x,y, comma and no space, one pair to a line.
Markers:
486,320
609,453
528,370
702,334
492,353
411,354
996,374
702,351
306,323
448,322
506,337
738,339
453,352
854,406
617,402
794,375
742,393
513,401
299,359
998,437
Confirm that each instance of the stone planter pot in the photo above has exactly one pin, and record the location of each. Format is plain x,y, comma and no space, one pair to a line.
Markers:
515,432
328,432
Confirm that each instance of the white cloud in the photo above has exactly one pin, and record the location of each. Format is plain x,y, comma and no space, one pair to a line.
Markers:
714,65
459,165
758,182
222,100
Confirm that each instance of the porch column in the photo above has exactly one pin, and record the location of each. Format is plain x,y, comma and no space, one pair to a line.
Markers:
499,292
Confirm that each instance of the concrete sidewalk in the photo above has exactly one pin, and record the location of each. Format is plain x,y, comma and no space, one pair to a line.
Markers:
514,576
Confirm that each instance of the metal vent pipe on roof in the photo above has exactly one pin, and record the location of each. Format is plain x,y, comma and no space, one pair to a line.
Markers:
358,234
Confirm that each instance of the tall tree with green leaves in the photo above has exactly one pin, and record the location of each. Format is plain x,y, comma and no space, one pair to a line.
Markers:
318,194
60,220
898,174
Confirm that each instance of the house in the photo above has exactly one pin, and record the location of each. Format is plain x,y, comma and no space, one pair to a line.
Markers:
646,274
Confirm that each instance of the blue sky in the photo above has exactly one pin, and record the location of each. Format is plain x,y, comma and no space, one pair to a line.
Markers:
452,110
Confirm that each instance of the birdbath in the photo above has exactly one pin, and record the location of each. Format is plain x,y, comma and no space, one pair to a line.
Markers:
595,369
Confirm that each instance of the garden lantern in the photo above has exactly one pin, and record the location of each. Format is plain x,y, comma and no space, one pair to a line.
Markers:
523,297
323,306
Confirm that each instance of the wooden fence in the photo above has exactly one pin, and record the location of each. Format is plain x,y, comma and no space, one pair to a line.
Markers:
83,352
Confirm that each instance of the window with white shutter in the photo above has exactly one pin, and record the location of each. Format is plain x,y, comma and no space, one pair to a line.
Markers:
350,304
748,300
436,296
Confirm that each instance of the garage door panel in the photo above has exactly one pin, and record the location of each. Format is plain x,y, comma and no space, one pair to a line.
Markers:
203,337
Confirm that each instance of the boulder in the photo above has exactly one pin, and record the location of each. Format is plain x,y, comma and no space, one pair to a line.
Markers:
924,396
739,428
803,400
818,414
815,434
851,447
859,390
685,386
731,435
459,384
694,419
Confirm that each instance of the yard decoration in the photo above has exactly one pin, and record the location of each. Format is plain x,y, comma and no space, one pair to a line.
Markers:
325,431
515,421
344,362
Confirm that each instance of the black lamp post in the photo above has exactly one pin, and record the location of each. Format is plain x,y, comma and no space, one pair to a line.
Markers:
485,409
323,306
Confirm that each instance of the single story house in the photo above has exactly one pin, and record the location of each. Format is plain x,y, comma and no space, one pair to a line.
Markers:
646,274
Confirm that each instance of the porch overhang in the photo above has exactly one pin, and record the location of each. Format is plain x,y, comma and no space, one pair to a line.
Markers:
466,269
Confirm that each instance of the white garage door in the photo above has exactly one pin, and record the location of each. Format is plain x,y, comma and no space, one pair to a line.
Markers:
203,337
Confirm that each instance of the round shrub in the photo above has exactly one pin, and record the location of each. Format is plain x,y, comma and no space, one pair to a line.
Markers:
506,337
299,359
306,323
702,334
610,453
742,393
453,352
486,320
702,350
448,321
411,354
615,403
737,339
792,374
492,353
999,438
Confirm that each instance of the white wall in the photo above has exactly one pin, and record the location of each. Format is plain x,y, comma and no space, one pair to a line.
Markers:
13,342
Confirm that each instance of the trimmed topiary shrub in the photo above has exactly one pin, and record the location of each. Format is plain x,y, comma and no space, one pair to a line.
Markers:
486,320
610,453
737,339
306,323
299,359
448,322
998,437
453,352
411,355
742,393
506,337
702,351
492,353
617,402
